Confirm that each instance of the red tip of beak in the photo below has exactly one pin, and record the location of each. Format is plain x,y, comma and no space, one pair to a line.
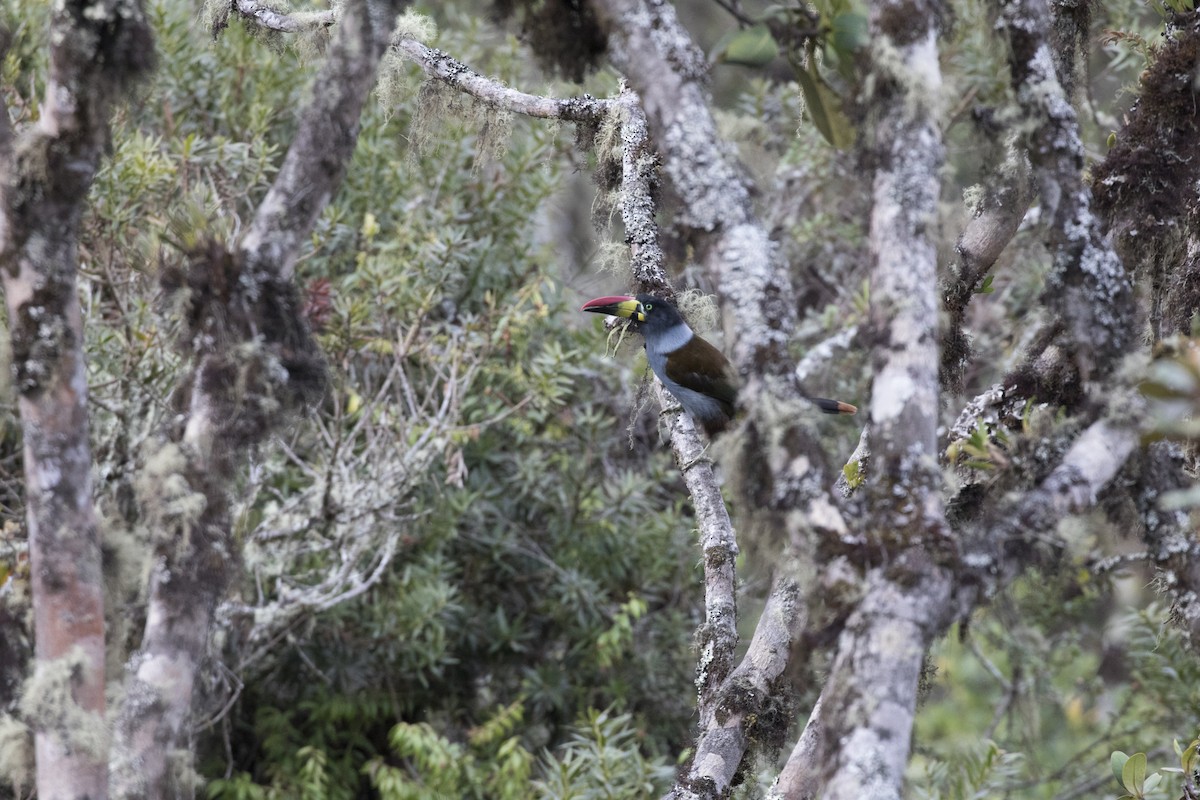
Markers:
600,302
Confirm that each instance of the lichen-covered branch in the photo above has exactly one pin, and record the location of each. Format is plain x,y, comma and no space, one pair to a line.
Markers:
1171,541
995,551
870,698
454,73
745,705
440,66
871,695
1087,286
779,467
273,19
994,222
97,50
730,702
317,158
718,637
799,778
255,362
780,463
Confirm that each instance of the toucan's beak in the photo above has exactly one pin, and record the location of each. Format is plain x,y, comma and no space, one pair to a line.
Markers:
617,306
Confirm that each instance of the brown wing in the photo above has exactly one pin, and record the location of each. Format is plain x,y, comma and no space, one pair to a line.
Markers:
703,368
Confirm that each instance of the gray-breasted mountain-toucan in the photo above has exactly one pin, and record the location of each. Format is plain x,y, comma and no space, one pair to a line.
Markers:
698,375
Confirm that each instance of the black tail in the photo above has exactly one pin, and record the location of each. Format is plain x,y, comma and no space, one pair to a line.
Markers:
833,406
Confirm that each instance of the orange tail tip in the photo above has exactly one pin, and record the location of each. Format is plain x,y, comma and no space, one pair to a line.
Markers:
833,406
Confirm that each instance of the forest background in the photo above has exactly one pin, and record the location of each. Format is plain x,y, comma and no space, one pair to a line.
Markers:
459,558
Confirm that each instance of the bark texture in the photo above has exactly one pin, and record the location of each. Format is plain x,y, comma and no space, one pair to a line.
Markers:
1088,287
718,637
97,51
870,698
1145,186
993,224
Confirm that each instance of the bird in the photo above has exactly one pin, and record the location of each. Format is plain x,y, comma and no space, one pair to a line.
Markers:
695,372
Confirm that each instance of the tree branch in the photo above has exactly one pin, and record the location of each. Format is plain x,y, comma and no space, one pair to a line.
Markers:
1093,459
992,226
1087,286
743,701
661,62
729,702
317,158
1172,545
800,777
718,636
1145,188
668,71
267,17
443,67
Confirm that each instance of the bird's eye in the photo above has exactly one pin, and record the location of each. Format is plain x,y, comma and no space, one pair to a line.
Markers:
649,306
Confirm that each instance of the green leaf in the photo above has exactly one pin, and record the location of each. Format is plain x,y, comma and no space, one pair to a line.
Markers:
1133,774
750,47
825,107
986,287
849,32
1152,781
1188,759
1117,761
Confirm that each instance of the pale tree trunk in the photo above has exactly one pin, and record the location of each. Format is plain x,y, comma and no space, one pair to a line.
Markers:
96,51
871,695
256,330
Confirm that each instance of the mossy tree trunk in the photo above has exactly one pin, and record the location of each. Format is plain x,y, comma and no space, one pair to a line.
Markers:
97,50
253,357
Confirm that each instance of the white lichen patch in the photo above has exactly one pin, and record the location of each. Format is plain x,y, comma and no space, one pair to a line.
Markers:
894,388
48,704
165,492
761,310
16,752
700,309
413,25
825,515
975,199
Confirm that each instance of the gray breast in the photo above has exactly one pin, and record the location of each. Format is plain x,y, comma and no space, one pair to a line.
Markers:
658,347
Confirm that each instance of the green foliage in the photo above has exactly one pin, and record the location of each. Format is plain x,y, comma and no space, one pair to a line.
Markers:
751,47
601,761
1131,773
1033,687
842,26
612,643
854,474
495,765
979,771
984,449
